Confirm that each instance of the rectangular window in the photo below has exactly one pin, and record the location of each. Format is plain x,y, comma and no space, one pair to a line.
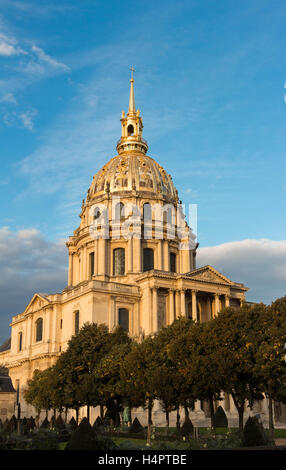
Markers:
91,264
76,322
61,324
173,259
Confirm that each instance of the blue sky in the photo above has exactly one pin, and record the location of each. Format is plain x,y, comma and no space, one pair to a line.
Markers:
210,84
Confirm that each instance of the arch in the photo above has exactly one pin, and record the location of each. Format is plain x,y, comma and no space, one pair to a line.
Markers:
123,318
118,262
130,130
39,329
148,259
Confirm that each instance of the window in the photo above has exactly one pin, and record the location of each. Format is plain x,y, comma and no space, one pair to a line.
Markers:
148,259
39,329
118,261
76,322
173,262
119,211
147,212
123,318
61,324
91,264
130,130
20,341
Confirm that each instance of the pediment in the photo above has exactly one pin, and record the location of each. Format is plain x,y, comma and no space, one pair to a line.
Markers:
209,274
37,302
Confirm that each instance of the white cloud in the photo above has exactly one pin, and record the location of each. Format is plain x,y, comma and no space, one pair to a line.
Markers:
28,263
48,59
9,47
8,98
27,118
259,264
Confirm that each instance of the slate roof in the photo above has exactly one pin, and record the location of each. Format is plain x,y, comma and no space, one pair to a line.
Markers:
6,345
5,381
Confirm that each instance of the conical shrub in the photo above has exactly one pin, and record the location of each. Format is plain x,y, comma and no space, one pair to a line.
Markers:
253,434
187,428
220,418
136,426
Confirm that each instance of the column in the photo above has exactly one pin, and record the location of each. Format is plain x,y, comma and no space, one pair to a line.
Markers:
130,255
101,256
171,307
137,255
177,303
70,276
159,256
216,304
226,297
155,309
96,257
194,305
183,303
166,256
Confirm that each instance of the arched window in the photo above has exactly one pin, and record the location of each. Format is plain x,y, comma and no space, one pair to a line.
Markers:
123,318
39,329
148,259
76,322
173,263
130,130
20,341
118,261
119,211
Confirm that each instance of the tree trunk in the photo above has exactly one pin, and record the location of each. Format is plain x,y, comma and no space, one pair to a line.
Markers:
167,419
271,422
186,413
150,406
76,415
88,412
178,424
211,403
129,416
66,415
240,410
101,412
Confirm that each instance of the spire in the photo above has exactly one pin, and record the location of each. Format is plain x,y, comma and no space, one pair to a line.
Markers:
132,126
131,109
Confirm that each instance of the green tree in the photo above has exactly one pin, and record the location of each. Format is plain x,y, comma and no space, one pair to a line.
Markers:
138,372
270,356
235,339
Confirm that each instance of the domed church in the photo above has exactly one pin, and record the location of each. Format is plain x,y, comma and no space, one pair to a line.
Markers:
132,262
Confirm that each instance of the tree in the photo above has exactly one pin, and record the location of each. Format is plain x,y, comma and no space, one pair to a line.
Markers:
270,356
107,380
197,363
37,392
138,372
235,339
171,388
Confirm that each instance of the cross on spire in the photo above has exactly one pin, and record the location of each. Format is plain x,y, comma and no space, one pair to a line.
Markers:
132,70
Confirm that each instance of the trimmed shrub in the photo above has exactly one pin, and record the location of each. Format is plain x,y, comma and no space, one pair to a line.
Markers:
45,424
187,429
59,423
253,434
13,424
97,423
136,426
220,419
73,424
85,438
31,424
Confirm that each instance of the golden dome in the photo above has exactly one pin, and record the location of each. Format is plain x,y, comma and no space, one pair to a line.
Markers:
133,173
132,170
